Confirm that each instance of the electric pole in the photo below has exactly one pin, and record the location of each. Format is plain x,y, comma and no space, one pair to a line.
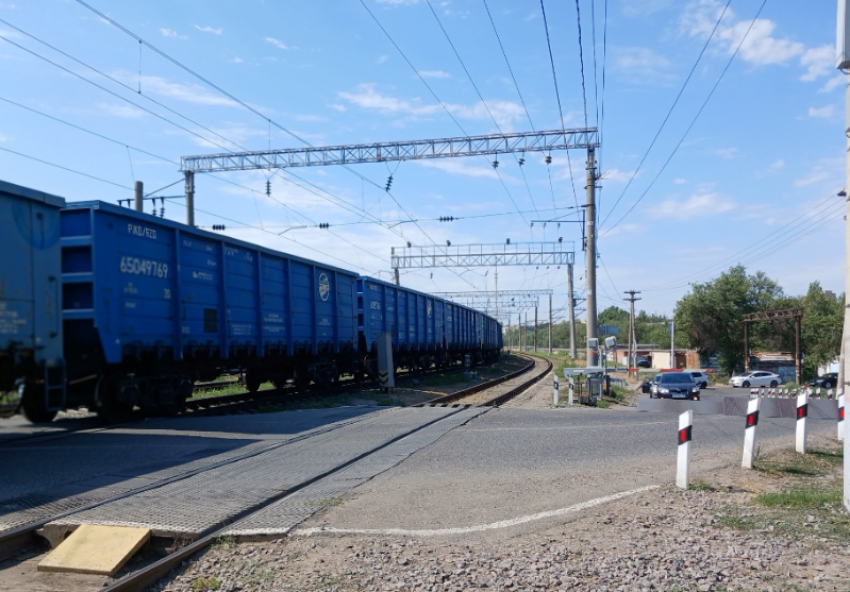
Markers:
535,328
550,324
592,353
632,336
571,304
843,63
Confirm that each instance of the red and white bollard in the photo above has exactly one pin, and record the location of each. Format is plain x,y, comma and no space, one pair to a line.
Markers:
686,422
841,417
802,414
750,433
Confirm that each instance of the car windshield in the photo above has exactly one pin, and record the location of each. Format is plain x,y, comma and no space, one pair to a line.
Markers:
676,377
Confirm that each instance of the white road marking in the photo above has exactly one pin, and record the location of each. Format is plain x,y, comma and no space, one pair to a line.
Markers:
475,528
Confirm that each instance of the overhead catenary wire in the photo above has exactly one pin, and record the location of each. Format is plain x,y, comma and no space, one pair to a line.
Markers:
695,119
669,112
581,62
557,96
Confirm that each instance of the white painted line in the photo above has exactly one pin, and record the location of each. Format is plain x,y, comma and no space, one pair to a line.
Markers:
475,528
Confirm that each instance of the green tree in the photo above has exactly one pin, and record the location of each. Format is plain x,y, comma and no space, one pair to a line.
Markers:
823,319
711,314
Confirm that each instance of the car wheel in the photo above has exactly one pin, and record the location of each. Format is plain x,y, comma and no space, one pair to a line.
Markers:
746,384
773,384
827,385
704,385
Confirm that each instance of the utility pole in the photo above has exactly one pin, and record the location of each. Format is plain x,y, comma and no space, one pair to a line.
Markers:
632,337
496,276
550,324
140,196
843,59
397,281
571,304
592,354
190,198
535,328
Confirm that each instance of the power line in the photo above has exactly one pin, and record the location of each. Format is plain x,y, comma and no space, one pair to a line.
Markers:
64,168
696,117
581,61
483,102
669,112
557,96
508,63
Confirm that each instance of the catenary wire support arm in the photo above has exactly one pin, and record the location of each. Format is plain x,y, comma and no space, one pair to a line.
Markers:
483,255
346,154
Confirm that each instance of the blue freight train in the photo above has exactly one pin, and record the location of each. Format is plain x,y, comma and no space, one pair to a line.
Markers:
149,306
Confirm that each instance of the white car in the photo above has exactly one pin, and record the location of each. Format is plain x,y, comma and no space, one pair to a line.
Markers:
756,378
701,378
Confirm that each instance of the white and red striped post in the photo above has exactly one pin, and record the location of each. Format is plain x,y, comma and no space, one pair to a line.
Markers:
555,391
841,417
686,422
802,413
750,433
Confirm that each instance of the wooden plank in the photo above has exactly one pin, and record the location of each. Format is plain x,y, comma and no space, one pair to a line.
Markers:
96,549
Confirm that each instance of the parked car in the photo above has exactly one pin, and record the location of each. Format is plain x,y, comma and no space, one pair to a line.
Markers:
700,377
676,385
653,385
828,380
756,378
642,362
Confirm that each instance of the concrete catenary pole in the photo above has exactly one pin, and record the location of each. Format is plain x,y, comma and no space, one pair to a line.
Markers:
139,194
550,324
190,198
843,63
535,328
571,304
632,334
590,233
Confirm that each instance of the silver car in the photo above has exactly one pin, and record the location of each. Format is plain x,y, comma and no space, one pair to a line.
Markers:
756,378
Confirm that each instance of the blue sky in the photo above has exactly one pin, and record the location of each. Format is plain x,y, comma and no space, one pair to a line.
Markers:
753,181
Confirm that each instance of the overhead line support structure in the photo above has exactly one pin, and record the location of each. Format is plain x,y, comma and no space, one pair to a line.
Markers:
776,315
592,176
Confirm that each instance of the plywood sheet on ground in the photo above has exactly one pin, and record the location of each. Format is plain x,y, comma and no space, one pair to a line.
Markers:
96,549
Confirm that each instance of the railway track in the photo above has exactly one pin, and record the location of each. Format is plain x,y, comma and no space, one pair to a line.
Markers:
500,389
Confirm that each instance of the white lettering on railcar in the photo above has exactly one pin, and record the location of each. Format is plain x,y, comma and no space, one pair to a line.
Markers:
10,324
202,275
324,286
147,267
375,305
143,231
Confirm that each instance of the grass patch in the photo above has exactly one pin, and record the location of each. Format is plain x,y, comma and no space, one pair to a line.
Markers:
226,542
816,462
326,503
602,404
701,485
260,578
804,498
731,517
205,584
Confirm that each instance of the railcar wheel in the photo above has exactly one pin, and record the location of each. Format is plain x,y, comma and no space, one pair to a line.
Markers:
253,380
33,408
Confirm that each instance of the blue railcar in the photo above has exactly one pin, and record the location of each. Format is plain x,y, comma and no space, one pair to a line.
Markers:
31,361
426,331
151,305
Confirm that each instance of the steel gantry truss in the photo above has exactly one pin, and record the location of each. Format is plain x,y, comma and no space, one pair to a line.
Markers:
483,255
345,154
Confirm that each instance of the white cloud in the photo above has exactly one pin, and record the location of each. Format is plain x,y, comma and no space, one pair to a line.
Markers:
820,61
833,83
123,111
213,30
815,177
778,164
172,34
181,91
366,97
434,74
381,59
726,152
236,60
4,138
337,107
679,181
276,42
707,204
457,166
760,47
642,65
827,111
617,176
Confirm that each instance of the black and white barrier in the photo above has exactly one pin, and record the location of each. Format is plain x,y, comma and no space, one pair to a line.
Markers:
572,390
555,391
802,414
686,422
841,417
750,433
